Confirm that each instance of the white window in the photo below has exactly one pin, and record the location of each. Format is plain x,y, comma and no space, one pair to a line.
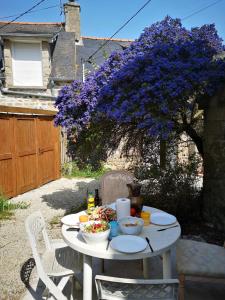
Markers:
27,64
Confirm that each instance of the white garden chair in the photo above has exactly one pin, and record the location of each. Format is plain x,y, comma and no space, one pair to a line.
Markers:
113,185
56,261
114,288
197,259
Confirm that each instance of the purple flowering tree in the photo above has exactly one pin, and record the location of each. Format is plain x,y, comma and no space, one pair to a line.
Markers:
153,87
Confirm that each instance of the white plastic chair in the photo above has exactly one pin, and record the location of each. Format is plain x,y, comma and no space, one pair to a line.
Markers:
113,185
57,260
200,260
114,288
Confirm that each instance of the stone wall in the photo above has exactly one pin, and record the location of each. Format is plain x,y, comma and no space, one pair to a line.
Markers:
214,161
8,63
27,102
46,67
116,161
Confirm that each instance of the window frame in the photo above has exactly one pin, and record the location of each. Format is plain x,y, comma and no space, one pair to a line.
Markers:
39,42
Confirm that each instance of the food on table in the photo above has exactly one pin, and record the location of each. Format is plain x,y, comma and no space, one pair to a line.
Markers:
133,212
131,225
95,227
103,213
83,218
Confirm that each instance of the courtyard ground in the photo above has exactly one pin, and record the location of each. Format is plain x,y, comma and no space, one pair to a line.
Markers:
54,199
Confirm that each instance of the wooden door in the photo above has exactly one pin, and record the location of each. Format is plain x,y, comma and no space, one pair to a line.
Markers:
26,154
48,154
29,153
7,157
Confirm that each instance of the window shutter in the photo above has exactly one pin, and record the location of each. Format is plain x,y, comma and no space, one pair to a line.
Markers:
27,64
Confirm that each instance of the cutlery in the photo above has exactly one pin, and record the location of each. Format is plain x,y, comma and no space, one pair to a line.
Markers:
162,229
73,229
109,240
147,239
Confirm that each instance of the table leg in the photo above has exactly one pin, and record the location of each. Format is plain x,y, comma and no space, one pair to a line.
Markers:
146,268
87,281
167,264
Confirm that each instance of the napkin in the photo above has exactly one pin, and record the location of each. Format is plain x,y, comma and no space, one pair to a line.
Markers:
122,208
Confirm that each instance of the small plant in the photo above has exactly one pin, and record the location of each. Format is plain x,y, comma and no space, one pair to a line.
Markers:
7,207
55,221
72,170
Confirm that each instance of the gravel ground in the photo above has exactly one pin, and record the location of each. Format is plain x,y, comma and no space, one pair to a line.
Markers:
53,199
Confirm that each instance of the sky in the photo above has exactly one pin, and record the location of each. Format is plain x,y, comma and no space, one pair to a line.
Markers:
101,18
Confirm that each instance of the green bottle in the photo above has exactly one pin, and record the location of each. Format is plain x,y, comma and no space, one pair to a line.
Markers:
91,203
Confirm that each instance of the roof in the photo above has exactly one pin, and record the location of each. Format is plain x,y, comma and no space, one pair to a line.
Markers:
64,64
90,45
30,27
63,57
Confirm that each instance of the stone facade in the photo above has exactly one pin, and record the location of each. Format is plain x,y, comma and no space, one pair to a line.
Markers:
46,67
116,161
36,103
8,63
72,18
214,161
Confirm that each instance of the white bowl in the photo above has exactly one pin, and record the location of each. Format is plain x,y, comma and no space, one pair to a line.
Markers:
93,238
134,229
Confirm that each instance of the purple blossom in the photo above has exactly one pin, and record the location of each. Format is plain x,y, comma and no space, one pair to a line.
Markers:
149,82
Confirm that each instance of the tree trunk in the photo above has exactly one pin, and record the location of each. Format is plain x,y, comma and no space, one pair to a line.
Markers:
196,139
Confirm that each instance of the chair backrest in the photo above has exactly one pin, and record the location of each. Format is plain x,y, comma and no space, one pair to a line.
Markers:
113,185
35,227
114,288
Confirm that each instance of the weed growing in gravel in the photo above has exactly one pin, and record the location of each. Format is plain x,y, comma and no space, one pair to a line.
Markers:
7,207
55,221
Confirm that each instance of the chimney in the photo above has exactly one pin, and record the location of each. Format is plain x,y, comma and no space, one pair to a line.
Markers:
72,18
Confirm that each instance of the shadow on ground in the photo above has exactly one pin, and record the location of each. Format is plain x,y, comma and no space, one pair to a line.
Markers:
66,198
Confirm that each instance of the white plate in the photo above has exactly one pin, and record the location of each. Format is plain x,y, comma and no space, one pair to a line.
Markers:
128,243
161,218
72,220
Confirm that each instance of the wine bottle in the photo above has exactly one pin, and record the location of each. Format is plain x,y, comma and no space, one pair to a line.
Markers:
97,198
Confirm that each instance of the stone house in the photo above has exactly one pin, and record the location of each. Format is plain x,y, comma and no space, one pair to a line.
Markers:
36,60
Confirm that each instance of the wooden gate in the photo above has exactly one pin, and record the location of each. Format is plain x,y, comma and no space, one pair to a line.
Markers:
29,153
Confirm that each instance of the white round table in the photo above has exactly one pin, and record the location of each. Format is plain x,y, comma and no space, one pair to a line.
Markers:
161,242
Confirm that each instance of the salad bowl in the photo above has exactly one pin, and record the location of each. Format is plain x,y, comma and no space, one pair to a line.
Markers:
95,231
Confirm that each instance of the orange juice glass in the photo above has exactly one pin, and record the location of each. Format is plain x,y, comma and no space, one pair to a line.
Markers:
145,215
83,218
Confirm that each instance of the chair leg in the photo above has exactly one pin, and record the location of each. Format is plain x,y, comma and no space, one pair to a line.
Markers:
102,266
181,286
72,292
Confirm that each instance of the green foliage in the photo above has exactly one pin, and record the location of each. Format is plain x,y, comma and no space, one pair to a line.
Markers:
71,169
91,147
173,188
7,207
